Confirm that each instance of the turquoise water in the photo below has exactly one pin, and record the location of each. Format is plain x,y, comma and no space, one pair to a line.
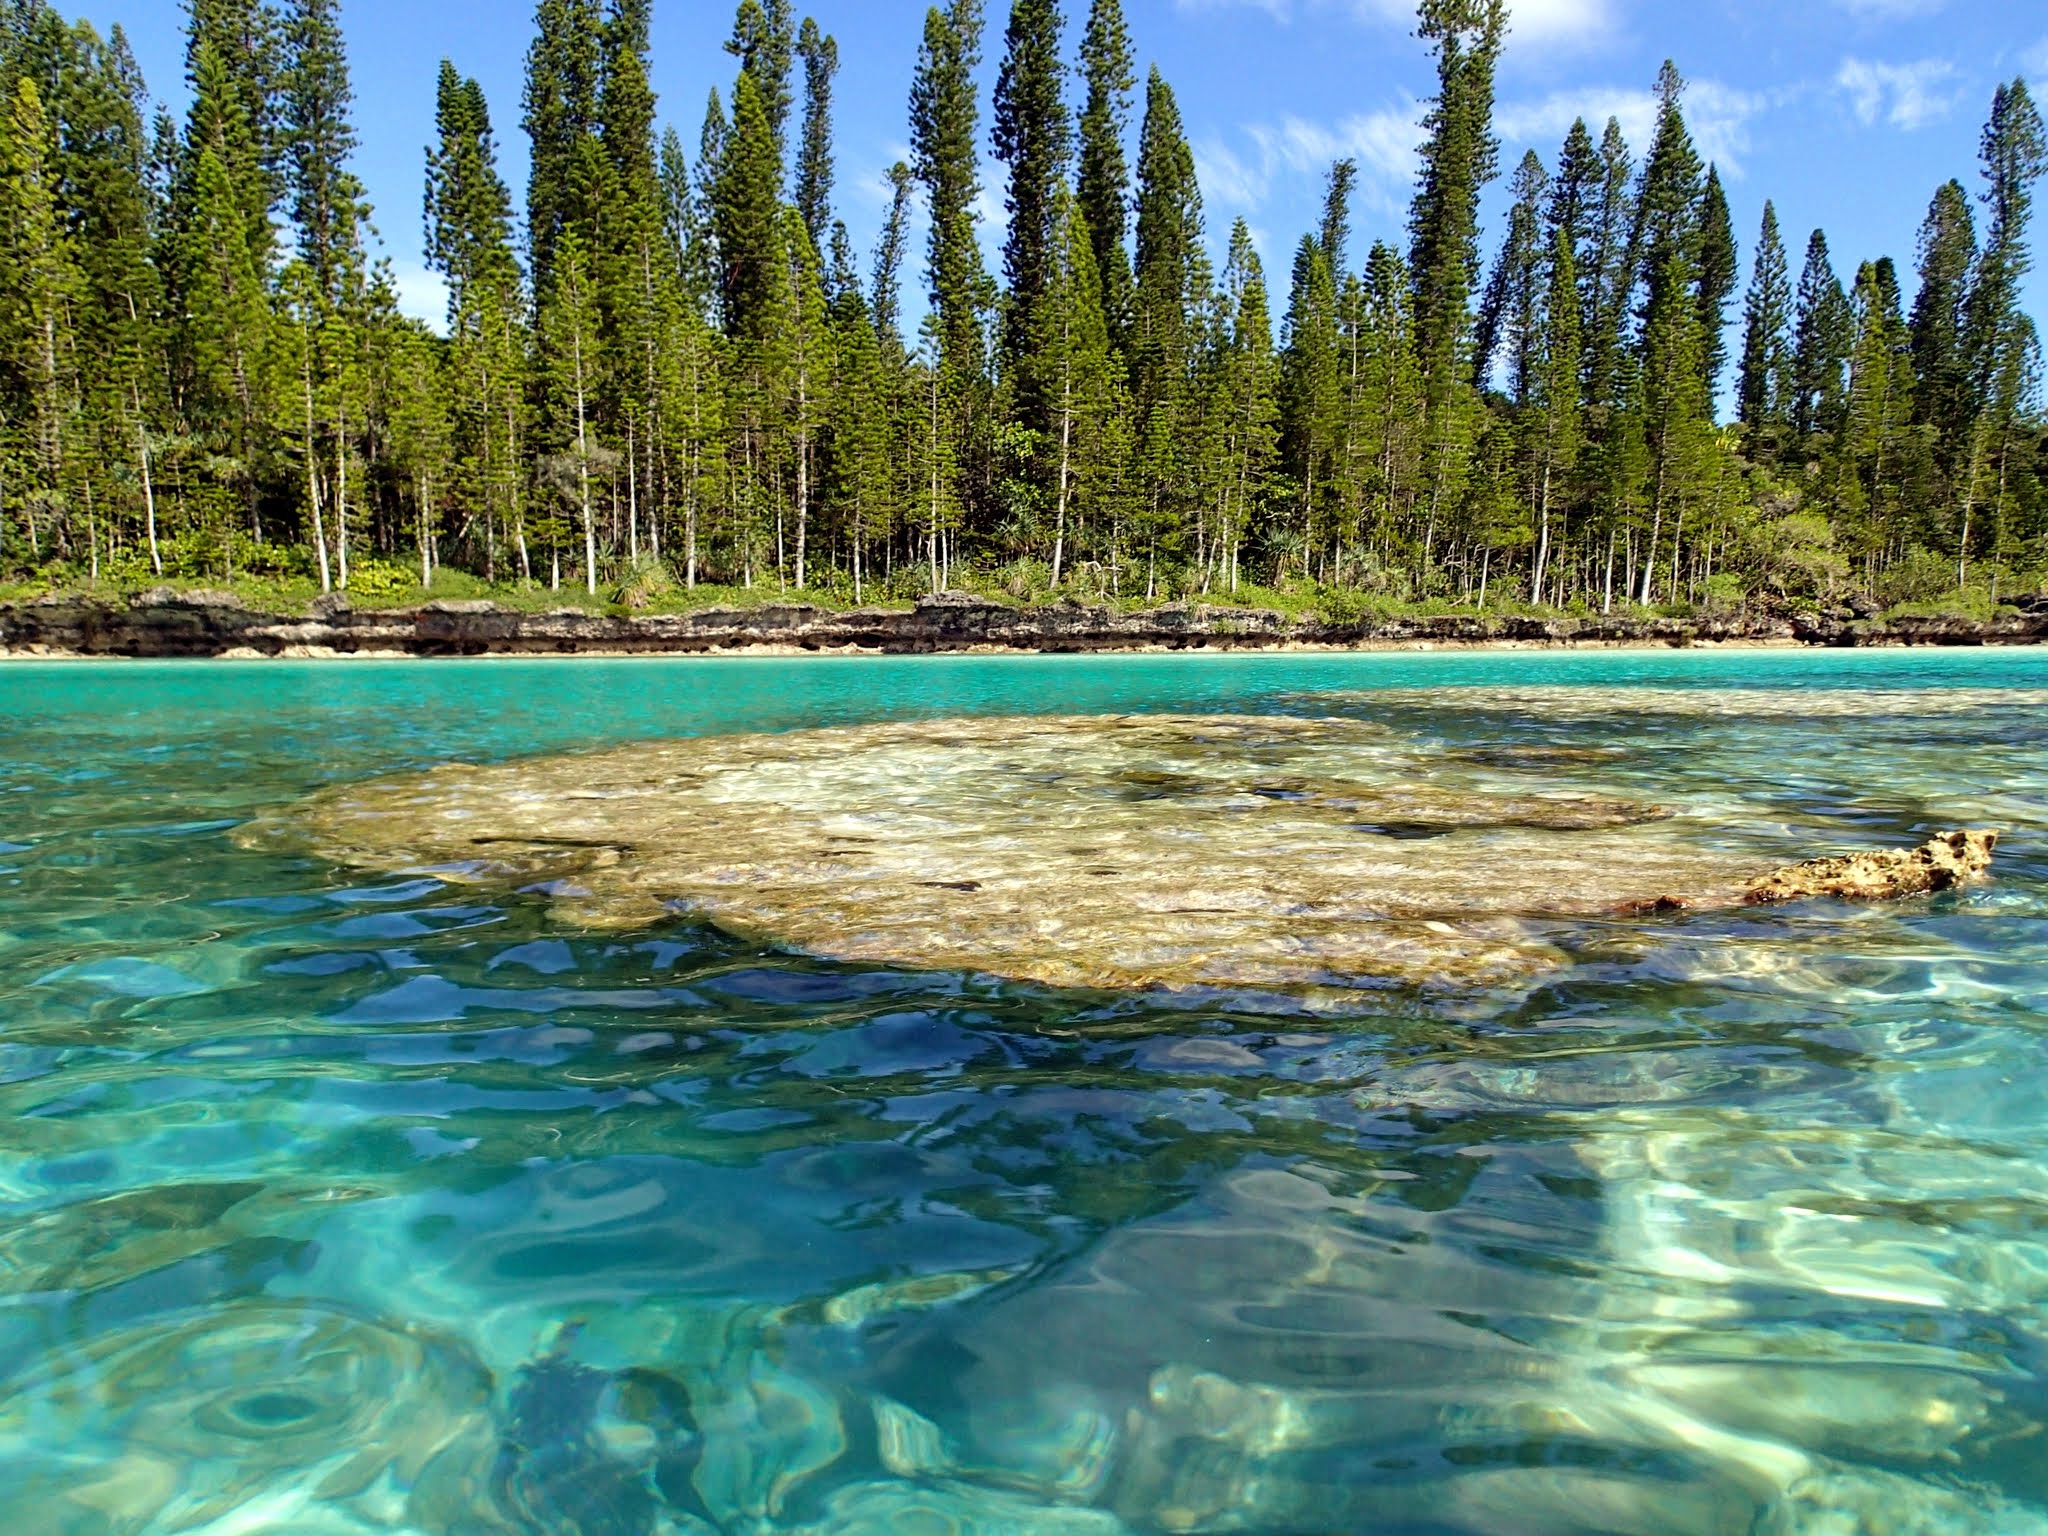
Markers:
335,1204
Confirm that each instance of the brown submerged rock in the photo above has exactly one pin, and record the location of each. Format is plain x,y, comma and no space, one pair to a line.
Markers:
1939,864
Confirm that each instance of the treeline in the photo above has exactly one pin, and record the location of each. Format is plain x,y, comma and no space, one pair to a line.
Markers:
672,365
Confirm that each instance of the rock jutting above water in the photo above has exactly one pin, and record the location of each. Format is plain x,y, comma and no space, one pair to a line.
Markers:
1097,851
1939,864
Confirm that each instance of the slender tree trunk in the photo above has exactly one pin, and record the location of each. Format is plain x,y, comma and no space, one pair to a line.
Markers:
803,472
657,484
156,559
313,483
583,482
341,494
1677,543
690,523
1656,532
933,533
1969,505
1059,535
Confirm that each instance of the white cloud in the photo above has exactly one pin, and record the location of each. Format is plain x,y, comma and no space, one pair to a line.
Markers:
1538,23
1906,96
1383,143
1535,23
1718,116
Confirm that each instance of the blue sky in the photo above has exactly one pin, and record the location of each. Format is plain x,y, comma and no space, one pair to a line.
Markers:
1848,113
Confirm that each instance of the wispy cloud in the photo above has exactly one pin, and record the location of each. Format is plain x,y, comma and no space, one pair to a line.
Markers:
1718,116
1906,96
421,294
1540,23
1239,178
1279,10
1890,10
1533,23
1230,180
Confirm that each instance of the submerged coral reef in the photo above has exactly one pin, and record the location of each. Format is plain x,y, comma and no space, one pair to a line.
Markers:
1095,851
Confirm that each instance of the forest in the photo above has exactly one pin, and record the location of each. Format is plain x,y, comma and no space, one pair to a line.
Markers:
670,374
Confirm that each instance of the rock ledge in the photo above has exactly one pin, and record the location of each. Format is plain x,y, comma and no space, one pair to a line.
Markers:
166,623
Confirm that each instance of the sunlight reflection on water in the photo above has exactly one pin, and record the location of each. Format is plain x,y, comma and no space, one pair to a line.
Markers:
334,1203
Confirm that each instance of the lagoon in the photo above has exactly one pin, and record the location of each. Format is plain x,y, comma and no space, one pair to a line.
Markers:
344,1200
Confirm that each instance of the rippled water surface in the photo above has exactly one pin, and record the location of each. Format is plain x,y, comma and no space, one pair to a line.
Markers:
340,1203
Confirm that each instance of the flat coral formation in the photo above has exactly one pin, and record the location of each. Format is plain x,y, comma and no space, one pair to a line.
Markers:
1605,705
1091,851
1939,864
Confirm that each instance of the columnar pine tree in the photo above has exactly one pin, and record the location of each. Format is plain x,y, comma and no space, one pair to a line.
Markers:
754,285
1608,277
1824,330
1718,264
1507,310
572,364
820,54
1108,74
1940,320
563,68
764,41
1311,400
1877,425
807,373
678,366
319,139
37,340
1078,375
944,120
887,299
469,241
1672,374
1031,138
1998,338
1764,390
1459,157
1171,281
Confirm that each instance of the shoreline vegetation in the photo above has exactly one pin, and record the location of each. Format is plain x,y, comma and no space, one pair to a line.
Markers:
165,623
667,376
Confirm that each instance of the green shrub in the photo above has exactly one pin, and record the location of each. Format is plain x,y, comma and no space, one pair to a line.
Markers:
1723,596
1919,576
646,583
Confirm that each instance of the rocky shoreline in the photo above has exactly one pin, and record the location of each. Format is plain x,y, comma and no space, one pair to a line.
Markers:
165,624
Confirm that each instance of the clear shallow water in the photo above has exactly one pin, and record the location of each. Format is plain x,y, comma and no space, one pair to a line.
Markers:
330,1204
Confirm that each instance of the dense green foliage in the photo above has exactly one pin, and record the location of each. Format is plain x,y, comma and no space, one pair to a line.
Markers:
678,373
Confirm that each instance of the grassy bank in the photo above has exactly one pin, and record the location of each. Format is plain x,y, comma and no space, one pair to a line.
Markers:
384,586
